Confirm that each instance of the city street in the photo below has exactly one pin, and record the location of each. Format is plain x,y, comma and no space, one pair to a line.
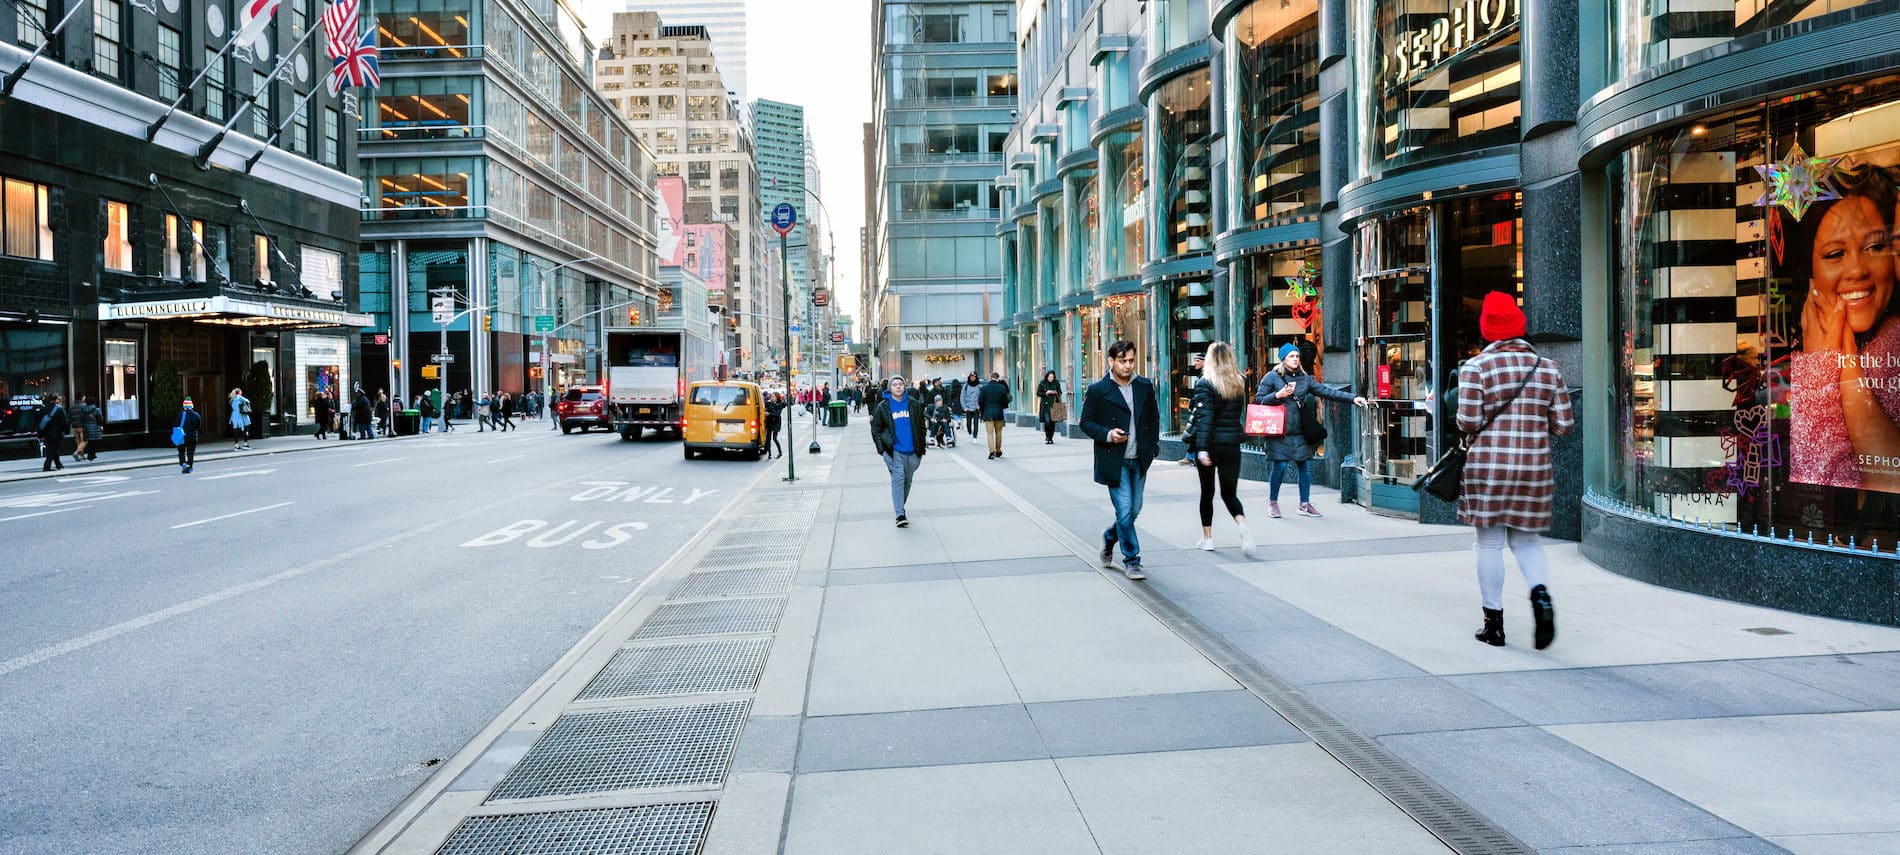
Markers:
265,655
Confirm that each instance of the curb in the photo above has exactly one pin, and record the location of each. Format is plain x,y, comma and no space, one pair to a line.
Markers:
148,463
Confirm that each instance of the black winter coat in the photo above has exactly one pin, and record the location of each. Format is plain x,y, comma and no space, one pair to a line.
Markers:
1103,410
1293,446
994,399
884,428
1218,422
1047,394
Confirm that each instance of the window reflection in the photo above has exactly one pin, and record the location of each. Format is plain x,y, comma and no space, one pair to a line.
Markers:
1273,109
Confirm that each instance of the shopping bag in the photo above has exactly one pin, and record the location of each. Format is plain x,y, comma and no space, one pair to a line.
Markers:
1266,420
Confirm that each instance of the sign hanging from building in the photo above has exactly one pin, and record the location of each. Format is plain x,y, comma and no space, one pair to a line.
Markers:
931,338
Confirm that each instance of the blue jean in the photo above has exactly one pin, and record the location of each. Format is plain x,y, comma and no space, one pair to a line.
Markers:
1306,480
1127,499
428,423
903,468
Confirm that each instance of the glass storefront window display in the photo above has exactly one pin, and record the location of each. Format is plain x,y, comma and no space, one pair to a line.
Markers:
1272,110
1758,368
1651,32
1191,327
1125,318
1124,206
1183,199
1394,263
32,363
1435,83
1283,291
1082,256
122,379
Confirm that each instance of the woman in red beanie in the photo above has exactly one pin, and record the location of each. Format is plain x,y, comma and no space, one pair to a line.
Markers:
1514,401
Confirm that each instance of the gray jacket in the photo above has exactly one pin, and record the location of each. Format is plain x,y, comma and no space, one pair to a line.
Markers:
971,393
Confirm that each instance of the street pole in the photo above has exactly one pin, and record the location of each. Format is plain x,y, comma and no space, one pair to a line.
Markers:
785,281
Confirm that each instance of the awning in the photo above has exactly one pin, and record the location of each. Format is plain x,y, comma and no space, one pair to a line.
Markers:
234,311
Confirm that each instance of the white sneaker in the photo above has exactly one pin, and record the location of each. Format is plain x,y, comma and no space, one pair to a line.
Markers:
1205,544
1246,542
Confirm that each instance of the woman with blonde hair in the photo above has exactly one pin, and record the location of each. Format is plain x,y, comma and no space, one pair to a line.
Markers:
1220,410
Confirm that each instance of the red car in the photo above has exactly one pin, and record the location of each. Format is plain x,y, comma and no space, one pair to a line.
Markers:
583,407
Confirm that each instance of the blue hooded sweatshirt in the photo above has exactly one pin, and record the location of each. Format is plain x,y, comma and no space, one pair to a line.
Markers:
902,441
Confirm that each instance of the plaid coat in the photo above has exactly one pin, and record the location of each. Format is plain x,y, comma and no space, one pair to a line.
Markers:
1508,477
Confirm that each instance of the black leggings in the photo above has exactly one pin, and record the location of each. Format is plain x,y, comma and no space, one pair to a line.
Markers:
1227,468
1048,431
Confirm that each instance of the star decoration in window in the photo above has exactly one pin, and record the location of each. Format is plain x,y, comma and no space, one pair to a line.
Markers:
1797,181
1304,283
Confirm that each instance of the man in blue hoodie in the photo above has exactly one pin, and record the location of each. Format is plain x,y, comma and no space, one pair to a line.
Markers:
897,429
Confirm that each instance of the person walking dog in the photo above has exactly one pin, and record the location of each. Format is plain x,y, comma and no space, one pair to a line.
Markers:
1120,413
1220,414
1285,386
897,430
1511,401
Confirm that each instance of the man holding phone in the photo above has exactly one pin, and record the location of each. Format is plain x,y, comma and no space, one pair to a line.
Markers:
1120,413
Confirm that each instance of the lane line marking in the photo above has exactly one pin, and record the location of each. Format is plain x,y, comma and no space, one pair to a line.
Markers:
228,516
44,513
374,462
506,459
237,474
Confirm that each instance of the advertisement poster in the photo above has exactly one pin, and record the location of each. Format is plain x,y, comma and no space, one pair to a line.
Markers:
670,218
323,368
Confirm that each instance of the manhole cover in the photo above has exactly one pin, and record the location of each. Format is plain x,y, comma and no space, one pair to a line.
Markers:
1767,630
627,750
681,669
715,617
727,583
676,829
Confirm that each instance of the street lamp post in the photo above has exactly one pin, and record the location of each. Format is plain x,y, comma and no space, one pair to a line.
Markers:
547,359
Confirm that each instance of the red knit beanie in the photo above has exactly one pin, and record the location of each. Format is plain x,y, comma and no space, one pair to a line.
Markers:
1501,318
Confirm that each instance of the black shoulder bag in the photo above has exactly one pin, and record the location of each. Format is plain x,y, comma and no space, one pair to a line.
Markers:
1446,480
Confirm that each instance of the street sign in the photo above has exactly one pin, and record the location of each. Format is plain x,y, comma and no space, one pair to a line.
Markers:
821,297
837,338
441,358
797,328
784,217
443,308
544,323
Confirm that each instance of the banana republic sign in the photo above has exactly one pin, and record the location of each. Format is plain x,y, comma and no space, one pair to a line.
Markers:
1470,23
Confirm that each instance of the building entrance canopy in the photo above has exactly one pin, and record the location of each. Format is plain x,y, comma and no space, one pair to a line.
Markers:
234,311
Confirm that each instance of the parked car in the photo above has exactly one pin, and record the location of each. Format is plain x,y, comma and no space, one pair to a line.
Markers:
583,407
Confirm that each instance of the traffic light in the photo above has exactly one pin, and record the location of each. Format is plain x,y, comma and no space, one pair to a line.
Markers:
488,322
397,363
431,372
633,316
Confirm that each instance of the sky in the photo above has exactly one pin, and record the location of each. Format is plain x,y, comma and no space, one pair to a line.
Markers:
817,54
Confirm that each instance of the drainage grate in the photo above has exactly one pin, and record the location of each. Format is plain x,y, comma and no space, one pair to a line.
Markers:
676,829
729,583
731,557
681,669
715,617
627,750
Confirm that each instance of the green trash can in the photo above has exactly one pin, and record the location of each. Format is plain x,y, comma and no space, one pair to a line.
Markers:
838,414
408,422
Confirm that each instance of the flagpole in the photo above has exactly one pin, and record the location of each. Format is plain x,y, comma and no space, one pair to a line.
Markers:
151,133
294,112
203,160
13,77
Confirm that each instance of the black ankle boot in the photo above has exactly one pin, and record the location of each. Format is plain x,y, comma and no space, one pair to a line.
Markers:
1493,631
1546,617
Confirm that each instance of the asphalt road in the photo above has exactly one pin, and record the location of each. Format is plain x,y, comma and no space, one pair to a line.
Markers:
266,655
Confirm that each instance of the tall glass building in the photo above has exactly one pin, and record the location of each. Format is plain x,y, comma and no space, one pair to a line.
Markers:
496,175
1694,209
945,88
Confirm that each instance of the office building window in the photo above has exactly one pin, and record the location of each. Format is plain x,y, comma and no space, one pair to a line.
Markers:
260,111
30,18
197,250
215,95
28,233
332,137
108,36
260,246
174,260
118,243
170,57
300,132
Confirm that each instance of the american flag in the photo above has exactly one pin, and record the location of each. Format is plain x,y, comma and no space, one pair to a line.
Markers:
358,67
339,28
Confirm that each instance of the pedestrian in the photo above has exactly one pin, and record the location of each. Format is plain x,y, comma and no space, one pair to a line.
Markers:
54,425
1121,414
897,430
426,409
448,407
89,426
1048,398
321,408
382,412
190,425
1511,401
1187,430
774,422
1285,386
504,411
482,407
360,413
994,400
1220,415
240,419
943,430
972,403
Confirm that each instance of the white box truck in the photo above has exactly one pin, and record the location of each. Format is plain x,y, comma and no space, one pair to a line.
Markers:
648,369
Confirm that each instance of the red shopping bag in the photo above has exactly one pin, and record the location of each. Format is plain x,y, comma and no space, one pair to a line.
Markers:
1266,420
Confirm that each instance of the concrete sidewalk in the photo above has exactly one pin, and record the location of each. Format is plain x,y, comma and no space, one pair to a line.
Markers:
975,684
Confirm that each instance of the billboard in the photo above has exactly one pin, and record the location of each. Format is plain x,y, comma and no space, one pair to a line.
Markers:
670,212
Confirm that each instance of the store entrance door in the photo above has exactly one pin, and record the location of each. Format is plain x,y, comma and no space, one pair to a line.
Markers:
206,392
1396,291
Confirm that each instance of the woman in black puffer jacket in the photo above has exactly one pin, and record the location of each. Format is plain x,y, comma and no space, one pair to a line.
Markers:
1220,410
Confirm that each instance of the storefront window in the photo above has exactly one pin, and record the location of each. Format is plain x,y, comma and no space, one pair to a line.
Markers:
1272,110
1283,291
1125,318
1081,247
1183,199
1758,350
1176,23
1394,263
122,380
32,363
1191,330
1125,208
1650,32
1432,84
323,367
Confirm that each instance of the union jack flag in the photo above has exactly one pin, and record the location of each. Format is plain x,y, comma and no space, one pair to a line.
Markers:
358,67
339,28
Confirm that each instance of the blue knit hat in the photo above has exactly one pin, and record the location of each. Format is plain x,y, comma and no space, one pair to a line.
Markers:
1287,348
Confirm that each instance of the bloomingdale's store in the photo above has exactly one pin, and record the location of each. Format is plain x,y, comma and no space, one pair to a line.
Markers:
1753,327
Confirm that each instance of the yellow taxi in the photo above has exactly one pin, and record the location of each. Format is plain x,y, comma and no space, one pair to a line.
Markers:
723,415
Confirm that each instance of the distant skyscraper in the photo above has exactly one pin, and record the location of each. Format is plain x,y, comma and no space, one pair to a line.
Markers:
724,19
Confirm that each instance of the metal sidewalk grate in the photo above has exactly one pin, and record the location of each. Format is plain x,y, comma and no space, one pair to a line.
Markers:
628,750
715,617
675,829
729,583
681,669
732,557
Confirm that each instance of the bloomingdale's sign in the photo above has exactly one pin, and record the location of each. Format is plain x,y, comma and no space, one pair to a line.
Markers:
1469,24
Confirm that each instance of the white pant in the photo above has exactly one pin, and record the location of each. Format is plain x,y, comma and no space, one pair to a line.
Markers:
1530,561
